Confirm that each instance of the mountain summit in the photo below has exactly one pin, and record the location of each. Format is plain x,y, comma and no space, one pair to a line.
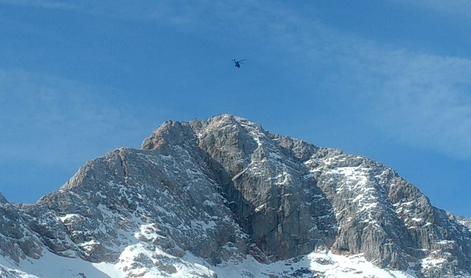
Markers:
226,198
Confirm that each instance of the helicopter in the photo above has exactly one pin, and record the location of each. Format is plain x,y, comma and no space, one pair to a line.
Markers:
237,62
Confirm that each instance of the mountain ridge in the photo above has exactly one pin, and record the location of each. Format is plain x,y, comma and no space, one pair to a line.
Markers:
225,190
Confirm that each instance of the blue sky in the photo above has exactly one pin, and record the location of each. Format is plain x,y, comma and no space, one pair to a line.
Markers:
385,79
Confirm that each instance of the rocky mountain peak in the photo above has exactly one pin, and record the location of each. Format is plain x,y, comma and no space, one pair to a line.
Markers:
171,132
203,195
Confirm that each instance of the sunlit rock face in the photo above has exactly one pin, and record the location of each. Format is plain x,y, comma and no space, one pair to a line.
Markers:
202,195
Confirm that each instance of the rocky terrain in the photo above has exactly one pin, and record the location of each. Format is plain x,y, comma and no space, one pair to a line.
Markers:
225,198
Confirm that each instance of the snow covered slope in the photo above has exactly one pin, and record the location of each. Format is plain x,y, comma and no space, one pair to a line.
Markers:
315,264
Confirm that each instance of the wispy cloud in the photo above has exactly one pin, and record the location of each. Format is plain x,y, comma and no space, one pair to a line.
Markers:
423,100
450,7
49,4
420,99
417,98
64,121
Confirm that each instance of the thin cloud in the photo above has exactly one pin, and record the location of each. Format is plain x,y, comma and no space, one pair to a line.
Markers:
40,4
416,98
63,120
448,7
427,102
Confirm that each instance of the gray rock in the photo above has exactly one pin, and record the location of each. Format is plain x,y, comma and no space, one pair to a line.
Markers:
225,188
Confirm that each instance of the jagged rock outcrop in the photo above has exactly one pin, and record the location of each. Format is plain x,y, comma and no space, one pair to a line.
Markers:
224,189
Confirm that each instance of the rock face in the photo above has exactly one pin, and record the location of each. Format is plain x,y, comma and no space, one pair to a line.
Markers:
225,189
